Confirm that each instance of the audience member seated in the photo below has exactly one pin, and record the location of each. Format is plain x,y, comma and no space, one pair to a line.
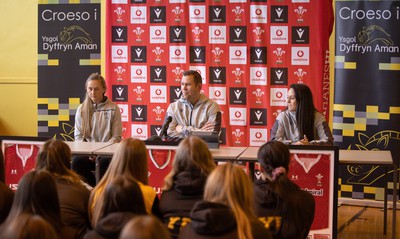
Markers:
54,157
227,209
29,226
37,194
144,227
285,209
184,185
6,194
130,159
122,201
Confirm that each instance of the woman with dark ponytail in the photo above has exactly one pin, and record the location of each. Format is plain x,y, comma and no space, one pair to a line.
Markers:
285,209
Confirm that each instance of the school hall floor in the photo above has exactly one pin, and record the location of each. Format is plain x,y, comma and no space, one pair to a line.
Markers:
363,222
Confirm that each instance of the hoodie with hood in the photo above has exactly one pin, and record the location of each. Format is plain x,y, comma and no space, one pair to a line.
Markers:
110,226
176,203
270,211
214,220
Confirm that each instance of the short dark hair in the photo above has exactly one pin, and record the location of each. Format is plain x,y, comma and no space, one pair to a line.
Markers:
196,75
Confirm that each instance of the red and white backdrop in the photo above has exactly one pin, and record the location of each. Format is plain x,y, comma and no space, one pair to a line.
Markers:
248,53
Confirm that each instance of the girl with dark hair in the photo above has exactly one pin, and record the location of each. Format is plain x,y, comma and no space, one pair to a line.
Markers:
301,123
37,194
288,210
97,119
130,159
29,226
184,185
54,157
227,208
144,227
122,201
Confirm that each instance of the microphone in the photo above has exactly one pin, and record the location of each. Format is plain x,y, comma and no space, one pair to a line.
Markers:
166,126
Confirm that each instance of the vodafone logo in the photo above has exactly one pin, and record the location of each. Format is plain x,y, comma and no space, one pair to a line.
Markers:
258,11
138,13
158,32
217,32
121,110
300,53
217,93
238,114
258,135
238,53
278,94
139,72
139,131
279,33
158,92
197,12
120,52
178,52
258,73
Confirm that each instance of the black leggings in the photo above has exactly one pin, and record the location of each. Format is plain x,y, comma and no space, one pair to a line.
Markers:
85,167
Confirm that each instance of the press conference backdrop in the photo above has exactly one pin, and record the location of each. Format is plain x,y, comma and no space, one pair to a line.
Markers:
366,109
68,52
248,53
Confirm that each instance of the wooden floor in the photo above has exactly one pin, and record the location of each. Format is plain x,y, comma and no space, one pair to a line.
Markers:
357,222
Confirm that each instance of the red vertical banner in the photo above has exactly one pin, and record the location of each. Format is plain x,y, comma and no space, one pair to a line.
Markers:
248,53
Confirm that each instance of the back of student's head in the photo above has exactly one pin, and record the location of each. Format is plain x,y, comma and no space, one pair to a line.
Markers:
144,227
274,158
123,194
37,194
130,158
273,154
228,184
55,156
192,155
28,226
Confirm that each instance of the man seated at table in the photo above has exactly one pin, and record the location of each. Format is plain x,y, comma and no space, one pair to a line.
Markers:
194,110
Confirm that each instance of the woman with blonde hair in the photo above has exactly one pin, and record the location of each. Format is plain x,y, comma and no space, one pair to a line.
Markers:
97,119
54,157
184,185
130,159
227,208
